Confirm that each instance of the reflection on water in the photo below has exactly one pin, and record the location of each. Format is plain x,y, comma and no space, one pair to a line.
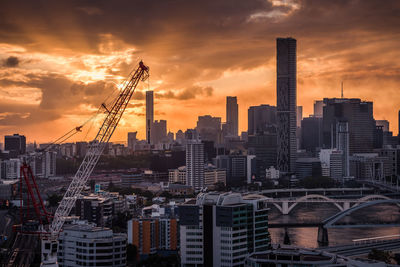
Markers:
316,212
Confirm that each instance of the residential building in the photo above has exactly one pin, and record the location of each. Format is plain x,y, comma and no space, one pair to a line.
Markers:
286,104
213,175
195,164
153,235
177,175
94,208
10,169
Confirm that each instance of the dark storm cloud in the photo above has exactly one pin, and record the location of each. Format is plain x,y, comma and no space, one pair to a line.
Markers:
60,96
11,62
187,93
188,43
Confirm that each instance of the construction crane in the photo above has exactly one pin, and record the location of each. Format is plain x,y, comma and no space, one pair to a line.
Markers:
96,147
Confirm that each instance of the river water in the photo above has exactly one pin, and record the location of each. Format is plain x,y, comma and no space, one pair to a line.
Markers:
316,212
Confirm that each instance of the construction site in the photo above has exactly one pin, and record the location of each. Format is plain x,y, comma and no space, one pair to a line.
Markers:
33,240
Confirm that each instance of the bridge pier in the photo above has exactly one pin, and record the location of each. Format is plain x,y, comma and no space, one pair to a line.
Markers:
286,239
323,239
285,207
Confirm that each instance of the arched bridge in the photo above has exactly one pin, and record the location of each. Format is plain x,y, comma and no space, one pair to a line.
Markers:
286,205
331,221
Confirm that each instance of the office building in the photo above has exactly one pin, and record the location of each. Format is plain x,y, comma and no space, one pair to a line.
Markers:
15,144
384,124
87,245
299,115
342,142
153,235
318,108
195,164
222,229
158,132
331,163
286,104
264,146
209,128
311,134
232,115
361,124
368,166
236,167
308,167
260,118
398,125
149,114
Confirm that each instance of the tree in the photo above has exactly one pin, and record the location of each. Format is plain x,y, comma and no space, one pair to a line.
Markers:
317,182
166,194
131,254
380,255
53,200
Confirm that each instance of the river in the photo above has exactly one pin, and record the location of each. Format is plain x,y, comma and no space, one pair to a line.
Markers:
316,212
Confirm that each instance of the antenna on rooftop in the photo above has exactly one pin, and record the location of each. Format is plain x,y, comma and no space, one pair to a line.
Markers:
342,89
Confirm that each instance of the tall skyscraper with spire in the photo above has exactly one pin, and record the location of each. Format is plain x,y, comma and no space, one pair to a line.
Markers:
286,103
232,119
149,114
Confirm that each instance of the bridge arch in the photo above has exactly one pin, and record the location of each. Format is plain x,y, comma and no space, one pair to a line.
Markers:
372,197
314,196
329,222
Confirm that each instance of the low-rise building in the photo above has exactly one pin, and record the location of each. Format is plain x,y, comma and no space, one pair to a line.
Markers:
84,244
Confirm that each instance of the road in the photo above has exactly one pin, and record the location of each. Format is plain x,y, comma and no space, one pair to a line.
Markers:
363,249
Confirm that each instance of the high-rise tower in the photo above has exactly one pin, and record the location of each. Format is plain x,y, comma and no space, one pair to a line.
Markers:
232,119
195,163
286,103
149,114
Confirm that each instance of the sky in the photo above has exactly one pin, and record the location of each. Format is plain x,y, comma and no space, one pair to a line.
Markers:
60,60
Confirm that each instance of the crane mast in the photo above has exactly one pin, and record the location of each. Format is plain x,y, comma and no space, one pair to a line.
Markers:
96,147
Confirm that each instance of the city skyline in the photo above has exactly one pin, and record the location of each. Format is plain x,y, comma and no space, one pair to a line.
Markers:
83,57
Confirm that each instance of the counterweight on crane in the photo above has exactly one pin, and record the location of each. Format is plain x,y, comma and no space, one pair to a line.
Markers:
96,147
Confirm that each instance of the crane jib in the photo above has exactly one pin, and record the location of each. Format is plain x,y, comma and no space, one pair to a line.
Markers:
96,148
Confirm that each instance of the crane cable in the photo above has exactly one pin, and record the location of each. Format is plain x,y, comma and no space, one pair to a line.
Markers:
78,129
